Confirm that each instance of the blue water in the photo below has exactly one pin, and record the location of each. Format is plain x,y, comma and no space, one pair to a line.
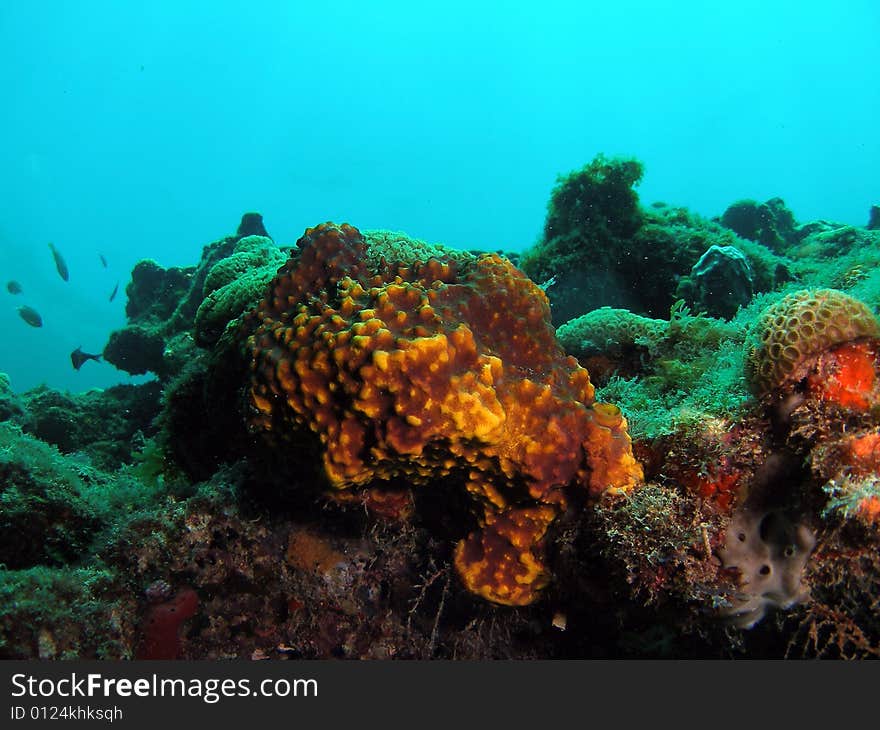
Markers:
145,131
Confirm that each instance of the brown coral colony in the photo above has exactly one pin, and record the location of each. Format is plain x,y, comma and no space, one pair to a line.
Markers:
444,369
796,336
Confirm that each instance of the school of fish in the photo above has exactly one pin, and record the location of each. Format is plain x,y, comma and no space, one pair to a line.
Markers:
33,318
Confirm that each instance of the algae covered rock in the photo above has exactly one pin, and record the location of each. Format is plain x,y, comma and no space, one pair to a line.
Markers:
771,224
823,240
44,519
11,407
162,306
103,424
154,292
672,243
600,248
592,214
154,316
720,282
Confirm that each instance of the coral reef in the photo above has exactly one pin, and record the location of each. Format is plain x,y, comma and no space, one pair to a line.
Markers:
668,372
591,214
369,446
11,407
609,341
45,518
785,483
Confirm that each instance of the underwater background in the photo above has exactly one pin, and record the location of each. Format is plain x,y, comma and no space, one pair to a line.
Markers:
450,332
144,131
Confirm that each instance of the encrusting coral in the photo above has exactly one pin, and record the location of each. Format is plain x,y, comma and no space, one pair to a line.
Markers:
235,284
444,369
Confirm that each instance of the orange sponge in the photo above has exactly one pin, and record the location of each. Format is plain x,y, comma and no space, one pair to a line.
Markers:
439,369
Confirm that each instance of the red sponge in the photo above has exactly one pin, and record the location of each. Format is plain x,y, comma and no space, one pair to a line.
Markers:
161,625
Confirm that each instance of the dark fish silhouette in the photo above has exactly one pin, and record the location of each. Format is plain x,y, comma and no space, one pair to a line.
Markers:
78,357
113,293
13,287
30,315
103,260
59,263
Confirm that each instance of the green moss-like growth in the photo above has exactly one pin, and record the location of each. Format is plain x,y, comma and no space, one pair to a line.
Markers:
598,199
663,374
842,257
61,594
771,224
51,613
11,406
591,215
671,242
100,423
44,519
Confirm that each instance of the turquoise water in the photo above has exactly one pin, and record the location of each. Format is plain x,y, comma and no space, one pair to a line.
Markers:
145,132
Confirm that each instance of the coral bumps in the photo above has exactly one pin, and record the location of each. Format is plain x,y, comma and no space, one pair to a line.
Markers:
439,369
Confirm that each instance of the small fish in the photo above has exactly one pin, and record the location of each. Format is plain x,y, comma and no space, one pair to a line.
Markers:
30,315
103,260
78,357
59,263
113,293
13,287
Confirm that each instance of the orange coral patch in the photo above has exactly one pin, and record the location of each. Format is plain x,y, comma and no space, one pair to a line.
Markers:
864,454
869,510
312,553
